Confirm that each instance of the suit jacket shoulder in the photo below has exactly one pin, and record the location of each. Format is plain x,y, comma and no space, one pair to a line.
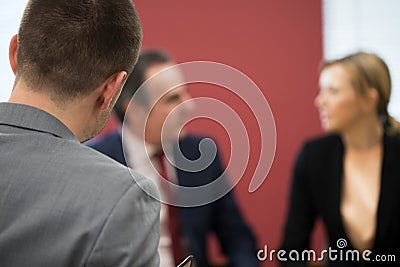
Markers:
110,145
129,215
322,145
64,204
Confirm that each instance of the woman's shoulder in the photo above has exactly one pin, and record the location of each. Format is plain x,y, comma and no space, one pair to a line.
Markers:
319,155
323,142
392,138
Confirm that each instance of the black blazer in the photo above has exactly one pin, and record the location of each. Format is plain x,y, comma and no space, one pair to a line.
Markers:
316,192
221,217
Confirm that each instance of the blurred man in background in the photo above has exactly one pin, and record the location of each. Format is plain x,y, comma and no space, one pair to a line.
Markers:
148,139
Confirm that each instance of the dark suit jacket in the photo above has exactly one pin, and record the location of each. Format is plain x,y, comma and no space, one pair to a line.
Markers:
63,204
222,216
316,191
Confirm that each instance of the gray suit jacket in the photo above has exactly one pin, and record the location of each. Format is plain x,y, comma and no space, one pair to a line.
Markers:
64,204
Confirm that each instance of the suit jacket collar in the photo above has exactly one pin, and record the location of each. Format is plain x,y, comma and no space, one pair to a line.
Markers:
27,117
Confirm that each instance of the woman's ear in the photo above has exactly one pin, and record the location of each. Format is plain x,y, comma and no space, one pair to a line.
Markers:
373,95
373,98
12,53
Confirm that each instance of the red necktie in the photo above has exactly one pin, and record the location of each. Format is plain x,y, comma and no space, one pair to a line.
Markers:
173,215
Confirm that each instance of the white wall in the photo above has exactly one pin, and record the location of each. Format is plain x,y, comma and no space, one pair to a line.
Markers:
10,16
368,25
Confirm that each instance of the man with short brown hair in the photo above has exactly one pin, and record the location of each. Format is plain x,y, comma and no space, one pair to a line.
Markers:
62,203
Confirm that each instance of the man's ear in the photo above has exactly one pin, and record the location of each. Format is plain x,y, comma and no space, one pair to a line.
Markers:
12,53
111,89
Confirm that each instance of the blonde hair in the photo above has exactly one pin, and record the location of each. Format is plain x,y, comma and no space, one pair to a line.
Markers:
370,71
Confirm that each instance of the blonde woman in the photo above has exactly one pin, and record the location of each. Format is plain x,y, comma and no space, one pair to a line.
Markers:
350,178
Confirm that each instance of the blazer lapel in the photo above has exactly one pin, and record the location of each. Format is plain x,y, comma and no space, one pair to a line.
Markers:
389,184
335,187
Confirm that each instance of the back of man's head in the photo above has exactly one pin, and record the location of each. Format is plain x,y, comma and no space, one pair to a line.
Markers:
146,60
70,47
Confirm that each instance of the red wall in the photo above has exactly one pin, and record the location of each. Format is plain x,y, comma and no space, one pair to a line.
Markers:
278,44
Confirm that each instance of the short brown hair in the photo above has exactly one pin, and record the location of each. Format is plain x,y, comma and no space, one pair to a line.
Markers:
70,47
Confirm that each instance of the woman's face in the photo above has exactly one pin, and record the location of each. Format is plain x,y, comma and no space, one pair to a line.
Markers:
340,106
